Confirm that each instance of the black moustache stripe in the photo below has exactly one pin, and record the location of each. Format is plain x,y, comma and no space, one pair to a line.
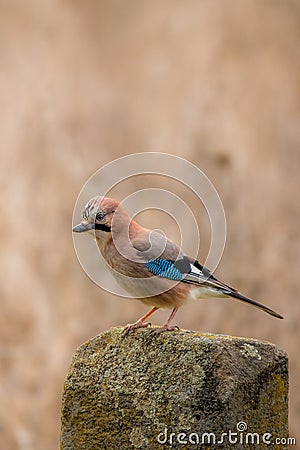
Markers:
102,227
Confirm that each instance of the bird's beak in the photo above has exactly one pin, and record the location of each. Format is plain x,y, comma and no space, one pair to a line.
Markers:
80,228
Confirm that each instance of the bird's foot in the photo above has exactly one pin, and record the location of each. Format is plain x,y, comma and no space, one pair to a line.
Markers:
164,328
134,326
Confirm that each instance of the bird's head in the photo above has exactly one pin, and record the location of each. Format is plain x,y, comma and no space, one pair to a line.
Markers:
97,216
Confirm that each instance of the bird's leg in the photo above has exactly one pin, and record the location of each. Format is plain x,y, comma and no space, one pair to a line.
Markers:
141,322
167,326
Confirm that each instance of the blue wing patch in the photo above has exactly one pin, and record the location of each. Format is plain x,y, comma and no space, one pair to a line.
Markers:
164,268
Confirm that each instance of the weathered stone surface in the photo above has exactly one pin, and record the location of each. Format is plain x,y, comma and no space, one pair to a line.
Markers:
132,392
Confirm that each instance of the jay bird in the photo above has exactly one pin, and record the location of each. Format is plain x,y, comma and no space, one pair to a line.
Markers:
149,266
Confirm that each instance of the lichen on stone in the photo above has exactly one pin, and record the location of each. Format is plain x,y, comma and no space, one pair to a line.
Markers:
249,350
121,392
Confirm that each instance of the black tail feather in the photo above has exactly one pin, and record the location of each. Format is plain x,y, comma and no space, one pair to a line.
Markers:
241,297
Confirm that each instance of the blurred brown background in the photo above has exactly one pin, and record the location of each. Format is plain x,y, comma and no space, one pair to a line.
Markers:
81,83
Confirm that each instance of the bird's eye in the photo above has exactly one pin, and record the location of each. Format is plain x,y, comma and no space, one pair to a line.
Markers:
100,215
